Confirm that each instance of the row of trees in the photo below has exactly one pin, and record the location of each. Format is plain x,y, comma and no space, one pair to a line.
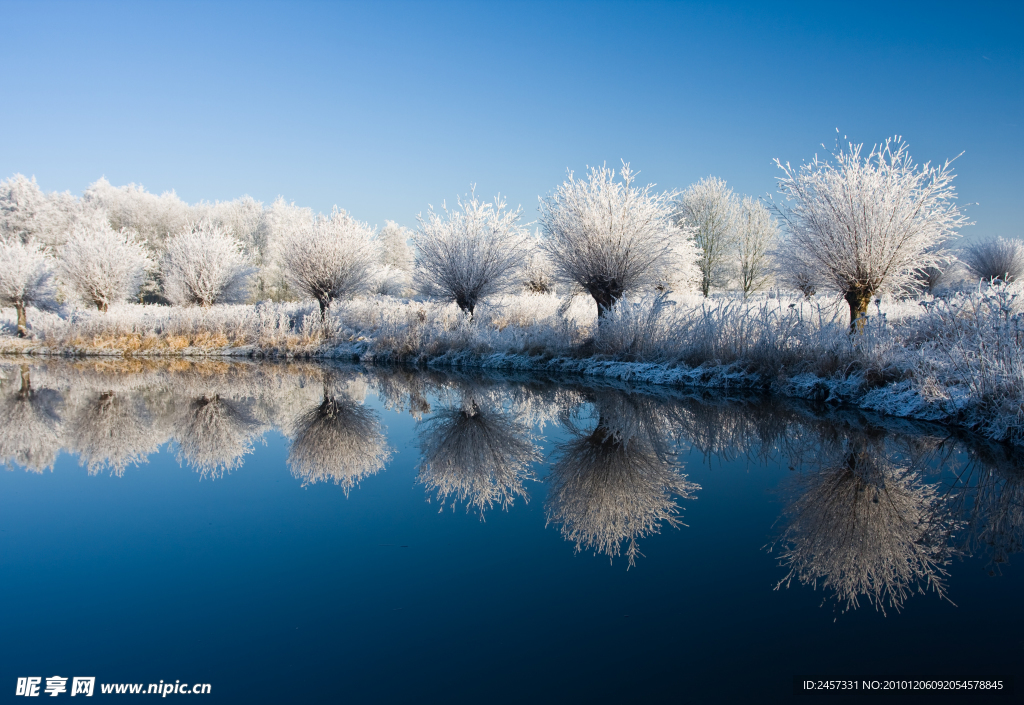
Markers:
857,225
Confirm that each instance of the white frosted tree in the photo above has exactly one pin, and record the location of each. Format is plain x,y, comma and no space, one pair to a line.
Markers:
995,258
709,208
468,254
101,266
155,219
284,222
26,278
26,213
332,258
203,265
756,237
394,246
866,224
609,237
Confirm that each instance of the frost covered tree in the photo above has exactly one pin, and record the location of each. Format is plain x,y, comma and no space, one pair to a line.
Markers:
756,236
203,266
155,219
995,258
607,236
26,279
101,266
865,224
332,258
710,209
468,254
394,246
26,213
285,221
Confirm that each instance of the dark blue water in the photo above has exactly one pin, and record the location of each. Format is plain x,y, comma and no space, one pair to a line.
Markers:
257,573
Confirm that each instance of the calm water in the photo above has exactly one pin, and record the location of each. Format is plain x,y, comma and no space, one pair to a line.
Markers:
307,533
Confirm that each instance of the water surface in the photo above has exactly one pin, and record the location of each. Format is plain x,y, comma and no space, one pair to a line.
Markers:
308,533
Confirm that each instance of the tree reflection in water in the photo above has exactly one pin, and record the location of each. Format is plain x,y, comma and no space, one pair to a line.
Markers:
32,426
474,452
617,482
338,440
864,525
113,430
215,434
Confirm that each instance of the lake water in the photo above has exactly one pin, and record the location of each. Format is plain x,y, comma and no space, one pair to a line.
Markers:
318,533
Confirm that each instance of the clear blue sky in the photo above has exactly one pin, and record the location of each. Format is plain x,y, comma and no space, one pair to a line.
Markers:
384,108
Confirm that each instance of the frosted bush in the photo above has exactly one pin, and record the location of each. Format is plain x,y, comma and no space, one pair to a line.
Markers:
204,266
100,266
995,258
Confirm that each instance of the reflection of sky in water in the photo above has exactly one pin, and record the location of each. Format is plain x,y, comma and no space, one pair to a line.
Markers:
274,529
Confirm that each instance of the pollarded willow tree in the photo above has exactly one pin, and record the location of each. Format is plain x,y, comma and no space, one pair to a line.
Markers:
101,266
609,237
468,254
204,266
26,279
331,258
866,225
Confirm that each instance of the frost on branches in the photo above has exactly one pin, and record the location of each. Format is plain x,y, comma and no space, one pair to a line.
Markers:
468,254
865,225
26,278
101,266
204,266
609,237
995,259
710,209
331,258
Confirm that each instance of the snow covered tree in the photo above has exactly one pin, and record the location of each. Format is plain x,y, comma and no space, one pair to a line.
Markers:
864,225
101,266
995,258
284,221
331,258
394,246
26,213
155,219
710,209
26,278
756,237
203,266
469,254
609,237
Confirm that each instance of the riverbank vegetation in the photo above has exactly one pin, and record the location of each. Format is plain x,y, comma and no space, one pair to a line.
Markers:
846,290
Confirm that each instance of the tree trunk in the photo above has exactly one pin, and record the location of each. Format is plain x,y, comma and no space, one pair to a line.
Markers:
101,306
26,383
605,296
22,320
466,304
705,285
858,300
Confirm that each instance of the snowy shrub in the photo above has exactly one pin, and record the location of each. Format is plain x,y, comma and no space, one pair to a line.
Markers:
468,254
100,266
204,266
865,225
331,258
610,238
995,259
26,279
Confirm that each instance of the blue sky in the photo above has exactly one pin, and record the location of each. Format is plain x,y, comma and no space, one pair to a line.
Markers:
383,108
